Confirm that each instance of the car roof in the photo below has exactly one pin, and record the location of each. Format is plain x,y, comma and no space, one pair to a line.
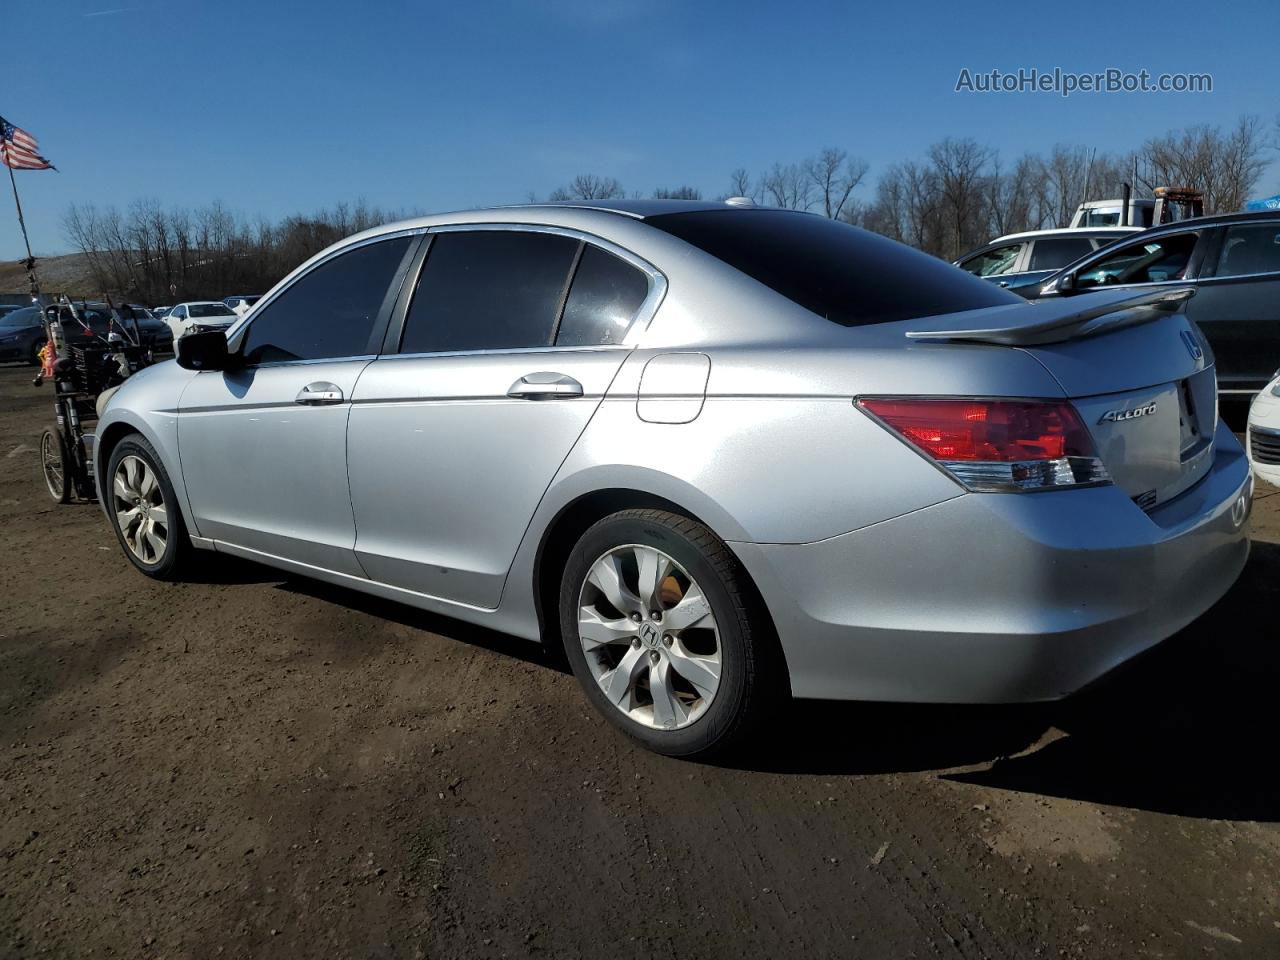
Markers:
1217,219
1069,232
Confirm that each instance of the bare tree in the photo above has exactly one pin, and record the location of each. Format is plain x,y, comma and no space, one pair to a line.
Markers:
740,185
677,193
960,167
833,176
1225,166
788,186
588,186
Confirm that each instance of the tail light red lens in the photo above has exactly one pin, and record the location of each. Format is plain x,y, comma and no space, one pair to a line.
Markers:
996,444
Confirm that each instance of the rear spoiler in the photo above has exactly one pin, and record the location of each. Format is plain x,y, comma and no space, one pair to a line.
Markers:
1069,319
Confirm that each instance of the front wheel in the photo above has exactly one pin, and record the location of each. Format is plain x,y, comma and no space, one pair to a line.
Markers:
144,510
662,632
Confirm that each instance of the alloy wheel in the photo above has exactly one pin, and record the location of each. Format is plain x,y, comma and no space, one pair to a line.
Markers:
140,509
649,637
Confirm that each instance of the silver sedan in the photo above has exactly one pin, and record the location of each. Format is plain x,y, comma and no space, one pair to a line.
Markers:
721,454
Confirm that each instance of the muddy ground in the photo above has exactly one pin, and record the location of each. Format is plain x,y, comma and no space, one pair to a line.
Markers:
259,766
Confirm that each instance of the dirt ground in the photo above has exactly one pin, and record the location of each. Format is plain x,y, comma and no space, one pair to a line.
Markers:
259,766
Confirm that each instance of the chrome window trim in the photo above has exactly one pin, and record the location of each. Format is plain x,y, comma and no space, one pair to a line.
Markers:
596,348
644,314
237,329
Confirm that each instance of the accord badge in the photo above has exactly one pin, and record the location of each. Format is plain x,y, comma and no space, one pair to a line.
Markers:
1118,416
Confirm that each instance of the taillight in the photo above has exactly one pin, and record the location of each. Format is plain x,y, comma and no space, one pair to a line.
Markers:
996,445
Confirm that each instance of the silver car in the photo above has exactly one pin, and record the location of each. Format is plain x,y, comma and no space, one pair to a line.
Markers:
722,454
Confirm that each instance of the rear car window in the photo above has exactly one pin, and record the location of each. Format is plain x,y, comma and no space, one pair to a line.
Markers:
489,290
1053,253
603,300
1247,249
846,275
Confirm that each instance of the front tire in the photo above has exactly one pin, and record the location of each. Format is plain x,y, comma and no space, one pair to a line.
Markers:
144,510
55,464
661,629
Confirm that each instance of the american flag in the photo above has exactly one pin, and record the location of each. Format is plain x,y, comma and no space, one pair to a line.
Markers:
18,149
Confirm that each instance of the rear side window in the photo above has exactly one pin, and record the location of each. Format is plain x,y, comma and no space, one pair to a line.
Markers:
489,290
329,312
1053,253
603,300
993,263
1252,248
847,275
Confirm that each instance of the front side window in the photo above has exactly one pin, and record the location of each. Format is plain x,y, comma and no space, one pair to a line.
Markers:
993,263
603,300
1149,261
1249,249
846,275
204,310
1054,253
489,290
329,312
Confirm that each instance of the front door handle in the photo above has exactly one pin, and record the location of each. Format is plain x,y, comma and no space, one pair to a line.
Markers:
545,386
319,393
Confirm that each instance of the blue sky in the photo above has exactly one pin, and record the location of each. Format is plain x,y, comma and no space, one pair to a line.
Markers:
279,107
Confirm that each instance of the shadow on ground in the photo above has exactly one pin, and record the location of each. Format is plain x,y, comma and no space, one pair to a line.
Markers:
1185,729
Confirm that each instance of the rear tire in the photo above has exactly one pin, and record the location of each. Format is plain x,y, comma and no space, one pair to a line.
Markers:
661,629
144,511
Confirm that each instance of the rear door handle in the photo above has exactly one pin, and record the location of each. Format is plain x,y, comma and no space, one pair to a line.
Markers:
319,393
545,386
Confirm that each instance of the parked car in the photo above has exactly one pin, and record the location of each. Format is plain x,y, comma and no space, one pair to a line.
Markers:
721,454
242,304
202,314
160,313
1021,261
8,308
22,334
155,332
1232,261
1264,432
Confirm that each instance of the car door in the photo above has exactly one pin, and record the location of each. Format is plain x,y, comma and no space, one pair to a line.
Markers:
263,445
509,342
1237,305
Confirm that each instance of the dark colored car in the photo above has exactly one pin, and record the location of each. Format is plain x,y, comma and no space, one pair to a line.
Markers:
1232,261
1020,262
21,334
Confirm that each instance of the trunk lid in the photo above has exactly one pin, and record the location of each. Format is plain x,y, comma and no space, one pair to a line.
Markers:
1137,370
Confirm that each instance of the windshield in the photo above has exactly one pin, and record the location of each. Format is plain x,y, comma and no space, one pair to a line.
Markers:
24,317
846,275
210,310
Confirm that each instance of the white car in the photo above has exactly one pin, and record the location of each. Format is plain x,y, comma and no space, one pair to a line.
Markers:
204,314
1264,432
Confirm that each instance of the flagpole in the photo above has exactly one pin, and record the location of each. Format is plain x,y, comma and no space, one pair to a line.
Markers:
31,261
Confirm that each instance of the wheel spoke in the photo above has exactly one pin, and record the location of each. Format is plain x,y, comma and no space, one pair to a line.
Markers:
653,568
122,488
692,609
160,515
702,672
606,574
594,630
619,683
154,540
668,711
127,519
147,482
131,473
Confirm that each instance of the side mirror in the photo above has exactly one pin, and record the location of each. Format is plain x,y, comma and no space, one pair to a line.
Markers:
203,351
1066,284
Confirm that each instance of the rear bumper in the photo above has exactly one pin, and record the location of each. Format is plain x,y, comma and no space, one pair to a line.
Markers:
990,598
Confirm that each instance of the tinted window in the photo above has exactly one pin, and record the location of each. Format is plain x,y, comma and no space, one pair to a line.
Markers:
1054,252
25,317
603,300
329,312
211,310
1254,248
994,262
847,275
488,290
1150,261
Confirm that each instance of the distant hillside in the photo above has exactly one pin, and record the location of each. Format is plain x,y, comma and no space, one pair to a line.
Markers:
66,274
